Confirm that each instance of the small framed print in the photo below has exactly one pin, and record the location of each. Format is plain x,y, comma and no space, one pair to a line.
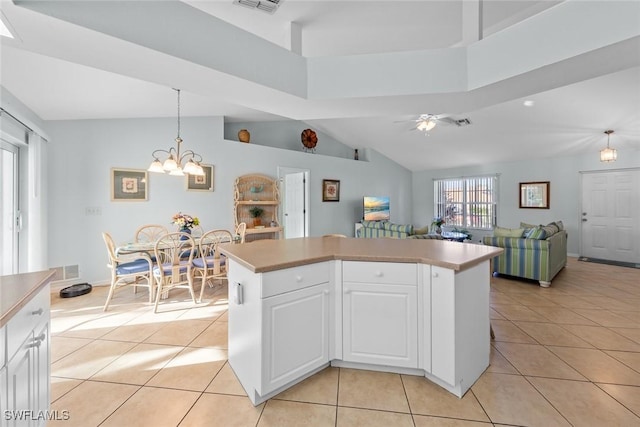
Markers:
128,185
534,195
201,183
330,190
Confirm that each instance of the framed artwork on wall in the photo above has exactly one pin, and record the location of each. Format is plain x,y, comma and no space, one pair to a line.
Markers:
330,190
128,185
534,195
201,183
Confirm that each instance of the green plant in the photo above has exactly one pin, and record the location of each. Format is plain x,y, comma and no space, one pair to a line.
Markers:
256,212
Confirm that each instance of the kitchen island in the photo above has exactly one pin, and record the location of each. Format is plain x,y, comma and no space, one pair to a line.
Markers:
418,307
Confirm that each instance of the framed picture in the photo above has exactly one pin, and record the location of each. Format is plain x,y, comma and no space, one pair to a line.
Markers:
330,190
128,185
201,183
534,195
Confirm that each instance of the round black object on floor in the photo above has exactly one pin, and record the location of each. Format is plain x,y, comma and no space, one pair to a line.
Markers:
75,290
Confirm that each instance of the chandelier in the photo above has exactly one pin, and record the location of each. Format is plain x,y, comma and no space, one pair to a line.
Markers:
173,164
608,154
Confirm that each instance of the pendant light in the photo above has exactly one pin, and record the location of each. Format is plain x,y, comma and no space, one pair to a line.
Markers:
173,164
608,154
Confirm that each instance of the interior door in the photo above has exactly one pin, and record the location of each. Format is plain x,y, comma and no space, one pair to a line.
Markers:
611,215
8,209
295,215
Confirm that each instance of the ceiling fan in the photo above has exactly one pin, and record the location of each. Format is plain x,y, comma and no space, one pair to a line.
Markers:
426,122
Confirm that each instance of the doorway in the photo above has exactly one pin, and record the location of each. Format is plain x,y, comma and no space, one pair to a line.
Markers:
9,208
610,216
294,192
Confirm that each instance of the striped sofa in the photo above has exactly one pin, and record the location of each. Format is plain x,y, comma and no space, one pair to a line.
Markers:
377,229
531,258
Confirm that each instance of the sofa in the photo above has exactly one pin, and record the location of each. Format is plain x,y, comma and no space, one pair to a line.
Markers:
378,229
536,252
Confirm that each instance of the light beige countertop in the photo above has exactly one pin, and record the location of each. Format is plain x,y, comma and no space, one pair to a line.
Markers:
269,255
18,289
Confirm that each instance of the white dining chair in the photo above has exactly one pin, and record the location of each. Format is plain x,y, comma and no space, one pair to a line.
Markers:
125,271
210,264
174,254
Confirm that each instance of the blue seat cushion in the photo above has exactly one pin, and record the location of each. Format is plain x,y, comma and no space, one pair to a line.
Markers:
199,262
137,266
168,268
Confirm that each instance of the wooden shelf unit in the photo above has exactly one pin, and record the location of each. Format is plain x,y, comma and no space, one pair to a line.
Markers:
257,190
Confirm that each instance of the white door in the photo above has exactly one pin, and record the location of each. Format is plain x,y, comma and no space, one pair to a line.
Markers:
8,209
295,203
611,215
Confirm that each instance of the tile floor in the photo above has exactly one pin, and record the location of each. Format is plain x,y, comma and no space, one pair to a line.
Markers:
566,355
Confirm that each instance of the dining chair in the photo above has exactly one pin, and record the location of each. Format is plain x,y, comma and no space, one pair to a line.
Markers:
210,264
125,271
172,270
241,230
150,232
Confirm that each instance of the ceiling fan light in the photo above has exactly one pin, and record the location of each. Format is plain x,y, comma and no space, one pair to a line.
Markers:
426,125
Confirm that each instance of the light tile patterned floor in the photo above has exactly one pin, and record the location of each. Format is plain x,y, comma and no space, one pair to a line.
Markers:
566,355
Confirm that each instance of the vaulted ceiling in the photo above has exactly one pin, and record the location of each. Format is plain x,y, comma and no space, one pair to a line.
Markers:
359,71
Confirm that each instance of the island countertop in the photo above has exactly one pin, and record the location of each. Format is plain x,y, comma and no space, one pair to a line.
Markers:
270,255
18,289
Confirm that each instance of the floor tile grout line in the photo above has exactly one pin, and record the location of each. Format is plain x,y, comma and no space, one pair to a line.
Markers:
616,399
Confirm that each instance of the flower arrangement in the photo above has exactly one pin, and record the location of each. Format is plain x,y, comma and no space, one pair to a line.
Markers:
185,221
437,221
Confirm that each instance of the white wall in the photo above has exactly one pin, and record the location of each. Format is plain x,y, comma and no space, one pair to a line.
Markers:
81,154
565,189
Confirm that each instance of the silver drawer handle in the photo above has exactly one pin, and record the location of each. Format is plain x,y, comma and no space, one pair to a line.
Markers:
435,274
347,290
38,312
326,292
378,274
299,279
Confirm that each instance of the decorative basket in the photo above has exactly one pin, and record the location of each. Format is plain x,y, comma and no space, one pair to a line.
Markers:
244,135
309,140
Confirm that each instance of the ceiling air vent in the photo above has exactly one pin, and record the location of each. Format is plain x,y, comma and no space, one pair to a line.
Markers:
269,6
462,122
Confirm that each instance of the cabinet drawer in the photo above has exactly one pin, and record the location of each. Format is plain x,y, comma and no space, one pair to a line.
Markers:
26,319
291,279
380,272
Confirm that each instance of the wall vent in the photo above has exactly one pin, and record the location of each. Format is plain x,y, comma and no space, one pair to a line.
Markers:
66,272
463,122
269,6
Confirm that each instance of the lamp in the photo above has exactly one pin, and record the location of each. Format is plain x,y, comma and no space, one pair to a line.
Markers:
426,123
608,154
173,163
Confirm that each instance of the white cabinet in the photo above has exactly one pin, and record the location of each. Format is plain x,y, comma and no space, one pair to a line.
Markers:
380,313
459,326
296,335
26,377
279,326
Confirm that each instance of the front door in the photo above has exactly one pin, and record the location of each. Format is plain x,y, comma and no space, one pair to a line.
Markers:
611,215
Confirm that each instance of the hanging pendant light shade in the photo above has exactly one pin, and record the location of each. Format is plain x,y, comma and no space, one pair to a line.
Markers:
173,164
608,154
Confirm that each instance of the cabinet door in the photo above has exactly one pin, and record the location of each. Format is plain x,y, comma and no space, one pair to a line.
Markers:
295,335
20,386
42,368
380,324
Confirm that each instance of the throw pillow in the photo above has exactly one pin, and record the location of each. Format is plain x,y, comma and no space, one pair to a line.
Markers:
507,232
371,224
527,226
420,231
536,233
550,229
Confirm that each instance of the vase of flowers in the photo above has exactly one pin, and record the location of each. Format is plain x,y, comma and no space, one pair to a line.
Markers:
185,222
436,225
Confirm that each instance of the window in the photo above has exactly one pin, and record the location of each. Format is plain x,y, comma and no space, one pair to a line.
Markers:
466,202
